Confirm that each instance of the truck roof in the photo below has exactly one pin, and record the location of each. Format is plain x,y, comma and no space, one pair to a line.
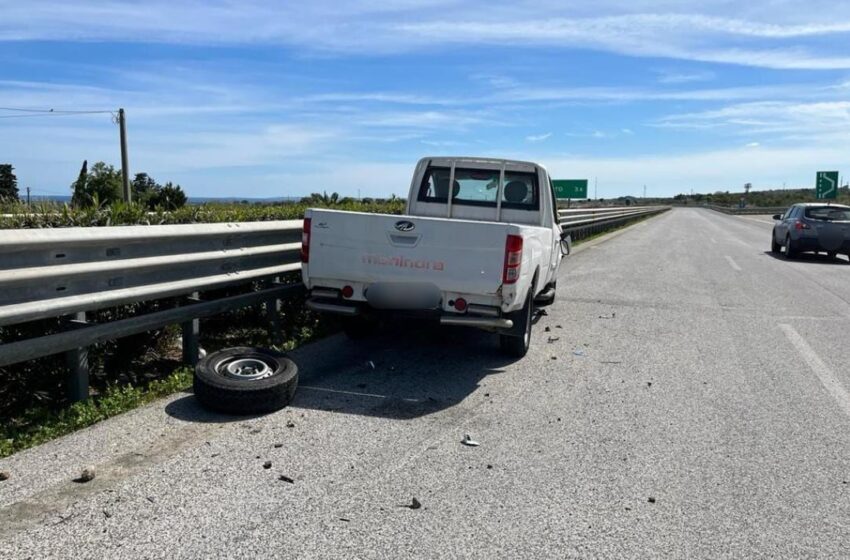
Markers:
447,160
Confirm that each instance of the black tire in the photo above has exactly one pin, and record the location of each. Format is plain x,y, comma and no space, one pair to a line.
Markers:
516,345
544,301
775,247
832,254
359,327
790,253
245,389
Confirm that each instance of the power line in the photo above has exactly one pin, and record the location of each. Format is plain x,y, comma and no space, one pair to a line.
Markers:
54,111
48,113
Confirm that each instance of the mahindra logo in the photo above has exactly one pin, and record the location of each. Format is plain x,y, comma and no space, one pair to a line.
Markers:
405,225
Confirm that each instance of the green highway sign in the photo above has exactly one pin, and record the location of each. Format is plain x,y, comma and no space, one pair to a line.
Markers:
826,185
570,188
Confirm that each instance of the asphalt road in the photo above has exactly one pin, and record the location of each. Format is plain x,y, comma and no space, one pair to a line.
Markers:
692,403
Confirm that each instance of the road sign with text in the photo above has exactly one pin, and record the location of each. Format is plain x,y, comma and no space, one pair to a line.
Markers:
826,185
570,188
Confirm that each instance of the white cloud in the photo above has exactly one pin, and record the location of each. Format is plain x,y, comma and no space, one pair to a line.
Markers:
627,131
752,145
704,171
538,137
769,117
670,77
652,28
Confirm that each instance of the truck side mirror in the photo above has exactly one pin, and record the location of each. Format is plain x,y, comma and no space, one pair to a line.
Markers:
566,244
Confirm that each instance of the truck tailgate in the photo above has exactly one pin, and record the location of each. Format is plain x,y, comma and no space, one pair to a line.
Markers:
455,255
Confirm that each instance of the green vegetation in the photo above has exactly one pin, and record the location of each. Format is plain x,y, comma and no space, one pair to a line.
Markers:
60,215
769,198
8,183
102,186
42,424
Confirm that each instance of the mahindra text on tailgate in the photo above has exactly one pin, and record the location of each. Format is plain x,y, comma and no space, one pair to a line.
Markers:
457,255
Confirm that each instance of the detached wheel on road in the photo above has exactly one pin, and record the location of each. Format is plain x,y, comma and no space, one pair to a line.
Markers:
516,345
245,380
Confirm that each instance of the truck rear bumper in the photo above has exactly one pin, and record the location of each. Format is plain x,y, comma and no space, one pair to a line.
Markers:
478,322
336,308
484,321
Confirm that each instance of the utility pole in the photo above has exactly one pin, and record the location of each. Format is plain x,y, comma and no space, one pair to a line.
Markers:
125,167
595,184
28,196
644,192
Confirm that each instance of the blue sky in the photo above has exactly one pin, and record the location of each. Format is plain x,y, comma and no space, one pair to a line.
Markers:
262,99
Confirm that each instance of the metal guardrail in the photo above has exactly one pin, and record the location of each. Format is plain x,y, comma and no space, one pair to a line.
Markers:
581,222
750,210
67,272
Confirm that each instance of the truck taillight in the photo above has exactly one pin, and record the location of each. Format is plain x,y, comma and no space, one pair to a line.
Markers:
305,241
513,259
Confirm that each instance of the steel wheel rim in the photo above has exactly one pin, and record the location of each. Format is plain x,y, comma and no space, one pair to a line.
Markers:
245,369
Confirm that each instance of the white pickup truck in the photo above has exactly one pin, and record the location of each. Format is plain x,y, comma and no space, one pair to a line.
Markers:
482,253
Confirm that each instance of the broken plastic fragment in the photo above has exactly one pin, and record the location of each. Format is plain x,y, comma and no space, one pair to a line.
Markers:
467,440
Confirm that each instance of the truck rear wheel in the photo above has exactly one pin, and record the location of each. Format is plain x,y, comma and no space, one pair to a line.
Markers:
517,345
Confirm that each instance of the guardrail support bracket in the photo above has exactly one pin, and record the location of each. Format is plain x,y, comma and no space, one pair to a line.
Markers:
77,361
191,331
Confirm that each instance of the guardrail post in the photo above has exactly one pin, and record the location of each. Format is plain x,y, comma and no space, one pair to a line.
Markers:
272,308
191,331
77,361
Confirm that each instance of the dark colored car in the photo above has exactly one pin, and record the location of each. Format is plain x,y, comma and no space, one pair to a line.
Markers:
812,227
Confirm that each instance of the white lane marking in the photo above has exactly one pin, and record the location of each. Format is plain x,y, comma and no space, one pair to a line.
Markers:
733,264
771,222
356,393
827,378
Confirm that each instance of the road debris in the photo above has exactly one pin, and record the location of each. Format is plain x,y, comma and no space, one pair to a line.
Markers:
5,475
578,352
347,520
278,445
613,316
285,478
290,424
651,500
267,465
371,364
489,466
552,339
467,440
554,358
558,327
649,383
414,504
547,329
151,499
107,514
86,475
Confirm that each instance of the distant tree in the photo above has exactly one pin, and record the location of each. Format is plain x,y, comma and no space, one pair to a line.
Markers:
8,182
102,185
144,188
170,197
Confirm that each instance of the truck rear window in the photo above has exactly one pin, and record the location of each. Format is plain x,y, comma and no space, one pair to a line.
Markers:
829,213
479,187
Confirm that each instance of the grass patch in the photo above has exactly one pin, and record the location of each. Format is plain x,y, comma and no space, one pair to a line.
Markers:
42,424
